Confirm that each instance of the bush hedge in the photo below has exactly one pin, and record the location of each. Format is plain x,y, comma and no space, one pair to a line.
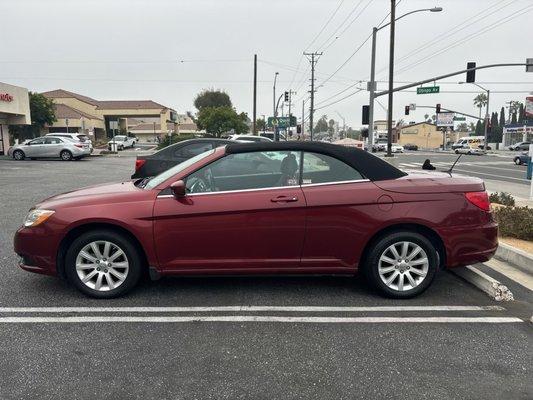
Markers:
502,198
516,222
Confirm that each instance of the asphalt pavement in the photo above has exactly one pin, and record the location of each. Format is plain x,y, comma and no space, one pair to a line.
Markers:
246,338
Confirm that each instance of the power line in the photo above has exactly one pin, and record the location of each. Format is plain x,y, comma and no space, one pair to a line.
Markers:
342,23
339,100
325,25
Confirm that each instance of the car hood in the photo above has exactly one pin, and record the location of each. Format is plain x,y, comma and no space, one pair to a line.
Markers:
432,182
110,192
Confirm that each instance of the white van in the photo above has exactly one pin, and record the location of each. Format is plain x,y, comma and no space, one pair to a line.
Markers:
469,141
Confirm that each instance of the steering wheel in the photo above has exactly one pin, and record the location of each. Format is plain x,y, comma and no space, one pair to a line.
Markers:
198,185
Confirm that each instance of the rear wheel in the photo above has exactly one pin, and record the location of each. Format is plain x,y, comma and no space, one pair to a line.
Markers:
65,155
402,264
19,155
103,264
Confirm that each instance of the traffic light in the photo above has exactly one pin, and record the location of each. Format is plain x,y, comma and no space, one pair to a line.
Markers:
437,109
286,96
471,75
364,132
406,110
366,115
299,128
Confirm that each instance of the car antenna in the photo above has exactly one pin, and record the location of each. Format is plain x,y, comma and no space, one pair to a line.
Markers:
453,165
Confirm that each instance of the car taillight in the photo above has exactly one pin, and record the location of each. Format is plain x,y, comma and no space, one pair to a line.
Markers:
479,199
139,164
78,145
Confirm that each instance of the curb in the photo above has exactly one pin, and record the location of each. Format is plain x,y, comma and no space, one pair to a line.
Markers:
516,257
481,280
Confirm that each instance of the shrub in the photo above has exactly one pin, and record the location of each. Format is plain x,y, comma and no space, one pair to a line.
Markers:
502,198
175,139
515,222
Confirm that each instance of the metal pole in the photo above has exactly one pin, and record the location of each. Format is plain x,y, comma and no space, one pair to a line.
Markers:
311,109
275,111
254,121
289,129
486,123
391,77
302,131
372,89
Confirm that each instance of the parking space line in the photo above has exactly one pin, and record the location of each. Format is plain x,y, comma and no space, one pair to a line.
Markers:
22,310
258,318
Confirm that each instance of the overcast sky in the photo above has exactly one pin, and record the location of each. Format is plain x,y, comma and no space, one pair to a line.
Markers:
132,49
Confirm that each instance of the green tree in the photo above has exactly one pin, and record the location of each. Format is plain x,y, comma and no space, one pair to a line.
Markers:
322,124
480,101
521,113
479,128
42,112
513,118
462,127
502,118
260,124
219,120
471,127
212,98
331,127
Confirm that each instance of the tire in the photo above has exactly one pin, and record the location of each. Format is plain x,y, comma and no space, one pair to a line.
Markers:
517,161
116,280
375,267
19,155
456,151
65,155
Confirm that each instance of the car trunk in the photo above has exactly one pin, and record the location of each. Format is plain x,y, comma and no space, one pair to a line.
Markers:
420,182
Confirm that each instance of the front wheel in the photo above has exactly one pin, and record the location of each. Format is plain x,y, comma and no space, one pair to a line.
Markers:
103,264
402,265
18,155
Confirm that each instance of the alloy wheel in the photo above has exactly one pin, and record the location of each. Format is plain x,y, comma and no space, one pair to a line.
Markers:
403,266
102,265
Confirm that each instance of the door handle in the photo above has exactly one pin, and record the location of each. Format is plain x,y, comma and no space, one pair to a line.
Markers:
284,199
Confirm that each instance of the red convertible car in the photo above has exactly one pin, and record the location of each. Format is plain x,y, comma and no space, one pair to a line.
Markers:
264,208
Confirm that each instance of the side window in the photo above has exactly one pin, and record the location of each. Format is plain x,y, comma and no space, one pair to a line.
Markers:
37,141
254,170
320,168
192,150
52,140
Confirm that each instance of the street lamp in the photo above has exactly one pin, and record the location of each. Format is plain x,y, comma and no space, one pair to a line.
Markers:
372,83
487,118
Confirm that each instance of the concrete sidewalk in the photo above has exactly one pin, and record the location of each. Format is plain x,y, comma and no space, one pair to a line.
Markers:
518,191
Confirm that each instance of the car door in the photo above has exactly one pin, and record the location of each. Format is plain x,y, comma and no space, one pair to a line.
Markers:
35,148
242,213
340,204
52,147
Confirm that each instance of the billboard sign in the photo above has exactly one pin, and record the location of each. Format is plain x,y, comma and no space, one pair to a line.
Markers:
445,119
529,107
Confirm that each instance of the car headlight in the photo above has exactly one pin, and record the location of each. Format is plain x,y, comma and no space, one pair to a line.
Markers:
37,217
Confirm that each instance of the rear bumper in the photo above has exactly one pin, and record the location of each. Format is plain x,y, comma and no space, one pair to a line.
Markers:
469,245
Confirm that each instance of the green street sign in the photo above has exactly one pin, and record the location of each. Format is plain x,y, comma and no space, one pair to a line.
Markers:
428,90
459,118
281,122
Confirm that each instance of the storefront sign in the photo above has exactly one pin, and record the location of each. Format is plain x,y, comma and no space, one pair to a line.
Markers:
445,119
529,107
6,97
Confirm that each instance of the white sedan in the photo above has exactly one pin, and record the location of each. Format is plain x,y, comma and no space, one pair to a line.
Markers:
466,149
122,142
397,148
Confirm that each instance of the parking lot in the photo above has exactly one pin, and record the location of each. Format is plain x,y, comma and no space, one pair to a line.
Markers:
232,338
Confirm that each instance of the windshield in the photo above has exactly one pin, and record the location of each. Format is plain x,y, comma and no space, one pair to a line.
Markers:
163,176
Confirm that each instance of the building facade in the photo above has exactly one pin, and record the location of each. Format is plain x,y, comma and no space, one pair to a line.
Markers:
14,110
103,119
425,135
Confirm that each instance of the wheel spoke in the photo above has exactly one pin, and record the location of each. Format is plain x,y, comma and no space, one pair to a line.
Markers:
107,247
116,255
414,253
418,272
87,256
119,275
405,249
109,281
89,276
98,284
394,252
81,266
387,260
96,250
384,270
391,278
420,261
400,283
410,279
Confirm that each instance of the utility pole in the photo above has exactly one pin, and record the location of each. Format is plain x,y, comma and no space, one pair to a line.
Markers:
487,120
372,90
274,108
254,120
314,58
302,130
290,103
391,77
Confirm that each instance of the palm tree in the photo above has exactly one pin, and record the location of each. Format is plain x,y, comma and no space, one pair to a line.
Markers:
480,101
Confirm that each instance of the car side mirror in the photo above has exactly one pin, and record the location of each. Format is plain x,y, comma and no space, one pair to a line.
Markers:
178,189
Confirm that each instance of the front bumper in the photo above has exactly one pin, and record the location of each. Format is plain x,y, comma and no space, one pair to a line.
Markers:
37,248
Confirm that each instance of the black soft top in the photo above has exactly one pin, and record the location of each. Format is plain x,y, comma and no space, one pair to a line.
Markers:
370,166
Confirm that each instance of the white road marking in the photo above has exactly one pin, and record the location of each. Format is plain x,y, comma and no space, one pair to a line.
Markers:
256,318
22,310
498,176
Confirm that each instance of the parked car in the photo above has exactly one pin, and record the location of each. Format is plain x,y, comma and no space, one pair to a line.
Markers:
81,137
520,146
396,148
410,146
270,135
154,164
50,147
122,142
522,159
269,208
466,149
250,138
